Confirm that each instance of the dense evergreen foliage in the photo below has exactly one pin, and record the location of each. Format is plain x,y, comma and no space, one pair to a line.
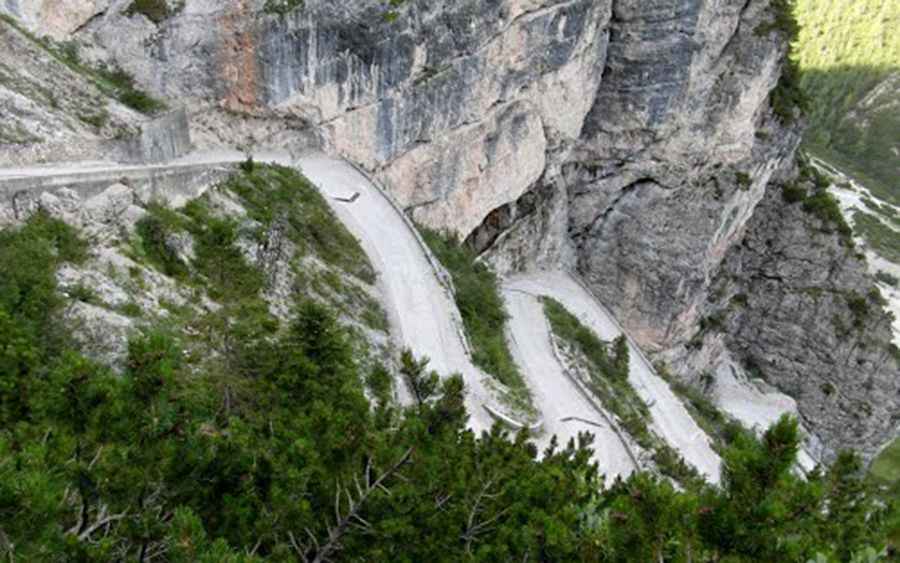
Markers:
162,462
846,52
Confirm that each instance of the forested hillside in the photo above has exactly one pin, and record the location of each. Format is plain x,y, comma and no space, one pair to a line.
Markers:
849,55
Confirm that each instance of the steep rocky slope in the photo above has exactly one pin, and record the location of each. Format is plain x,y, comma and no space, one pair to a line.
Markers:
630,141
793,307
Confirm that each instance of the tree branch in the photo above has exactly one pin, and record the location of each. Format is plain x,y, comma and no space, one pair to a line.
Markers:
345,520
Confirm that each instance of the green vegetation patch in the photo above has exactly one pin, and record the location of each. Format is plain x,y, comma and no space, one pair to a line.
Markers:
280,195
282,7
483,313
819,202
846,52
826,207
155,231
608,374
884,240
156,11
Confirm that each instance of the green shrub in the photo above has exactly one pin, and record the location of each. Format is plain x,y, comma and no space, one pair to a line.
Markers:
859,307
282,7
83,293
121,85
141,101
132,309
480,304
154,231
221,261
788,99
887,278
793,193
97,119
825,207
156,11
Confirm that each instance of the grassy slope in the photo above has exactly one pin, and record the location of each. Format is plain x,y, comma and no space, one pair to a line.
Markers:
483,314
885,472
847,51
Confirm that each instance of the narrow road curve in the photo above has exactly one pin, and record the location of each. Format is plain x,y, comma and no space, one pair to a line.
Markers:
671,420
565,409
420,308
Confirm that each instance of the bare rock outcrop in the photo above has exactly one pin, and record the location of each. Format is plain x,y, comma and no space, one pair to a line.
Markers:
796,307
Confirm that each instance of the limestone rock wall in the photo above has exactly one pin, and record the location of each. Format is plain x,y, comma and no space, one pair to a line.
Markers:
793,304
56,18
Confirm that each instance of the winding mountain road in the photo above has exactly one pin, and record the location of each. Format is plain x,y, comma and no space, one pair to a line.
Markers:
671,420
424,316
567,410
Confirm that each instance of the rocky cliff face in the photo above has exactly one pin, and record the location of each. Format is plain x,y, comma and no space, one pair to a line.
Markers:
630,140
792,304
